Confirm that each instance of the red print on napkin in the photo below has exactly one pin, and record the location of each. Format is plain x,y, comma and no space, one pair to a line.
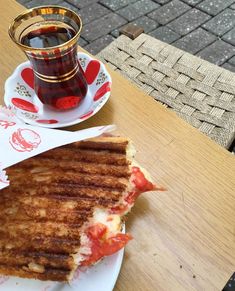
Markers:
24,140
5,124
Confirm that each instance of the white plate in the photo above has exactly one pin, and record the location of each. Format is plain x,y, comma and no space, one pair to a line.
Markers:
20,95
101,277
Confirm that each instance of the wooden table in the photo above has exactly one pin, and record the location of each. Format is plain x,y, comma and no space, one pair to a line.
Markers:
185,237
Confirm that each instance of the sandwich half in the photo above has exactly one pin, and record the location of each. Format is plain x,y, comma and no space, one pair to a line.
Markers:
64,208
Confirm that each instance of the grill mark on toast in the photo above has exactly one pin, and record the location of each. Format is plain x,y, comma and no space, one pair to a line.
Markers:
89,168
119,147
71,178
50,260
63,191
86,155
50,198
49,274
38,228
41,243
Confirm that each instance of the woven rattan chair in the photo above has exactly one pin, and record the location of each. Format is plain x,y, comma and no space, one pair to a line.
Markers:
201,93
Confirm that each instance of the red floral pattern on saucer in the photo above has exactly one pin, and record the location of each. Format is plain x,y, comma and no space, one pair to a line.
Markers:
19,94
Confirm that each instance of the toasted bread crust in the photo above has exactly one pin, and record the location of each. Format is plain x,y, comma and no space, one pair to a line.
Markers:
51,197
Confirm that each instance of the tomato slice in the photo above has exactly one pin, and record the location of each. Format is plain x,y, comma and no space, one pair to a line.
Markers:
97,231
141,183
132,196
101,245
139,180
115,243
95,256
119,209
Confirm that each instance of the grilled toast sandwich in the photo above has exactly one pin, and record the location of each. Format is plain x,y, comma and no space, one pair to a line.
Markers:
64,208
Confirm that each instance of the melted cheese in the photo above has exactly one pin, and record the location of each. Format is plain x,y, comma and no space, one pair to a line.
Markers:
112,221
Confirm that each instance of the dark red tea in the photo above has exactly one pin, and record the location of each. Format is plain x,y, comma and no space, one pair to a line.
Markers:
59,79
48,36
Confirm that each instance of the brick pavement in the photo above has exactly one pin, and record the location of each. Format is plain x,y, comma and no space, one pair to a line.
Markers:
202,27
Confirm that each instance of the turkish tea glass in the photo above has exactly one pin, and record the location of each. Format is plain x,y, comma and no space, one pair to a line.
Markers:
48,35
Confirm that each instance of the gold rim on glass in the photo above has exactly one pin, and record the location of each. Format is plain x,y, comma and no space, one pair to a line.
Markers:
60,78
45,10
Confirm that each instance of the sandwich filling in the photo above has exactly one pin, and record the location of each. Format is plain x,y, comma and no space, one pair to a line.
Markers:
103,237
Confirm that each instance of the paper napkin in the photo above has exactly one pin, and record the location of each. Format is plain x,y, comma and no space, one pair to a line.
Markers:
19,141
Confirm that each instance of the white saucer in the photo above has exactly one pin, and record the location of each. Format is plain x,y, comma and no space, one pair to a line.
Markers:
20,95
